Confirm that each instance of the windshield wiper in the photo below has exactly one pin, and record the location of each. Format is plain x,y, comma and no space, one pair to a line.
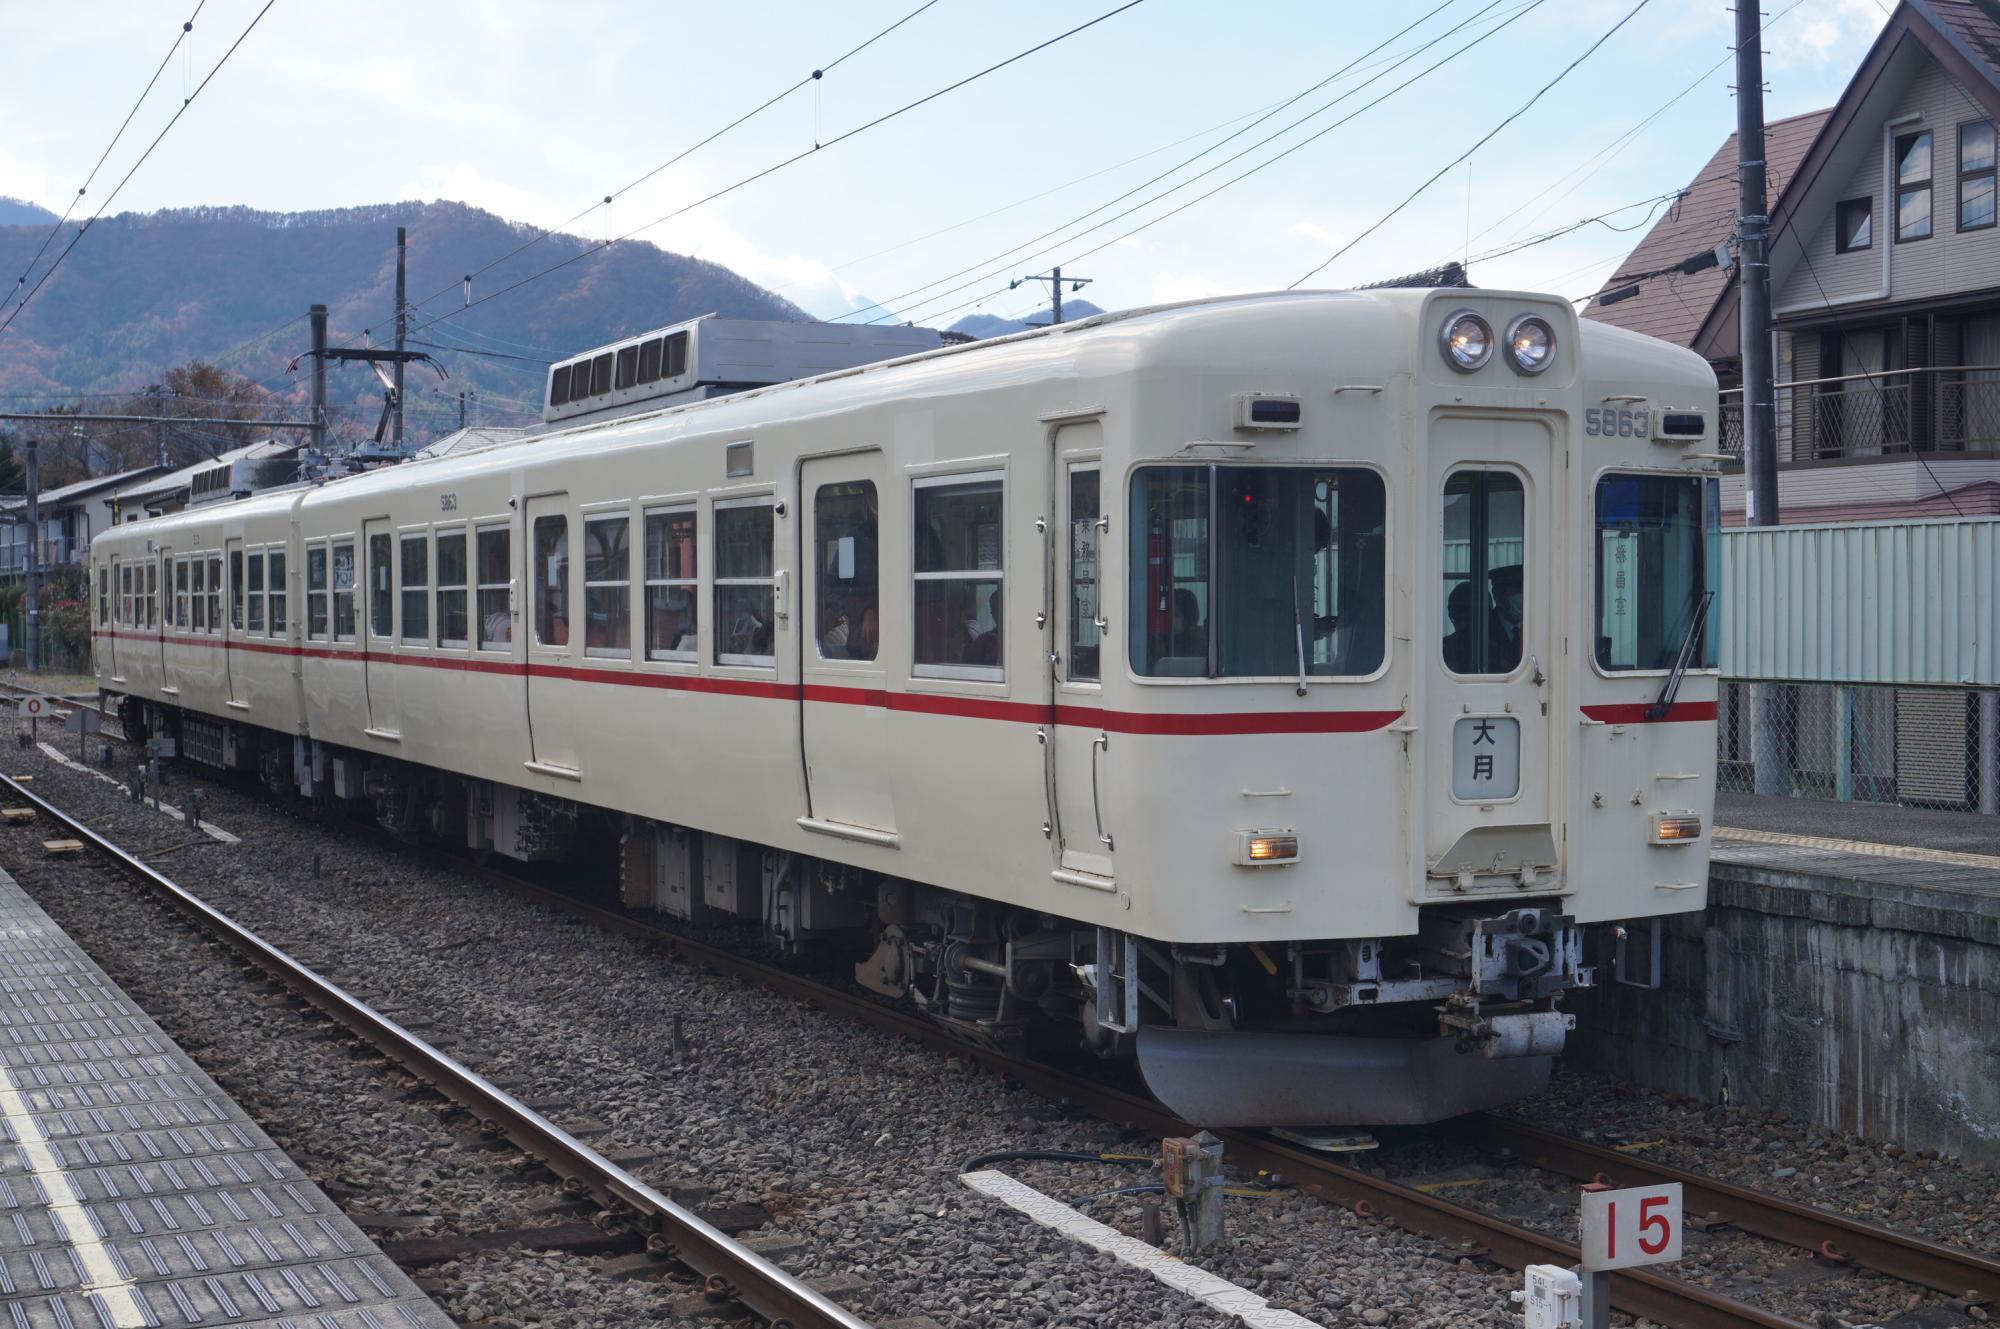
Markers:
1665,701
1299,633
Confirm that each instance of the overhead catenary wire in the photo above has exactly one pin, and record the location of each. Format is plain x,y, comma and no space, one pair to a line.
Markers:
144,93
84,230
1483,140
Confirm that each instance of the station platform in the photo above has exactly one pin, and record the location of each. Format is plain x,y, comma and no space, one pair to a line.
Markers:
135,1192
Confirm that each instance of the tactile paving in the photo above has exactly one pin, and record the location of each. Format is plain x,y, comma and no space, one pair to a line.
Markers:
134,1191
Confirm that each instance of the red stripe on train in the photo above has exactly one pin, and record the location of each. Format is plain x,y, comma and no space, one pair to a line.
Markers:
1635,712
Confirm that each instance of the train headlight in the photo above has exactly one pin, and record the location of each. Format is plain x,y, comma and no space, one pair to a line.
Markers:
1531,344
1676,828
1266,849
1466,340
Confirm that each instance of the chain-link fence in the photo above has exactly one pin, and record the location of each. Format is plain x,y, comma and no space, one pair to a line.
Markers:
1917,747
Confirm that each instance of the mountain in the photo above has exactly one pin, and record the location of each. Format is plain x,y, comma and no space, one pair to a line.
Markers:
143,292
986,325
20,212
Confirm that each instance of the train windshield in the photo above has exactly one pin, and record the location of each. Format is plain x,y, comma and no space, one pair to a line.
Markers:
1291,582
1658,551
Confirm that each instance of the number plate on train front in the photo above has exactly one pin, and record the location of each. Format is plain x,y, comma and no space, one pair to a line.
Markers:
1485,758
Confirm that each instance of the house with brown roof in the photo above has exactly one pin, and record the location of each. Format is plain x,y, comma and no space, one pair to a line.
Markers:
1885,280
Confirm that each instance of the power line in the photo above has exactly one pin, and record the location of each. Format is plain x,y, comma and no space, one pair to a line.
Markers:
85,228
1652,206
775,167
490,355
1483,141
56,229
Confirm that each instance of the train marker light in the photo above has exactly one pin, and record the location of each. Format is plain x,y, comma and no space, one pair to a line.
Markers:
1531,344
1467,341
1676,828
1266,849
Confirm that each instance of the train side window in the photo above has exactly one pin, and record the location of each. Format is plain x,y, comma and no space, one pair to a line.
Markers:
416,583
649,362
254,590
103,597
281,623
495,585
607,586
671,594
198,600
154,572
214,594
559,386
847,618
318,613
125,594
451,571
1658,553
1086,609
381,589
744,583
236,589
552,580
343,590
959,559
181,582
1485,543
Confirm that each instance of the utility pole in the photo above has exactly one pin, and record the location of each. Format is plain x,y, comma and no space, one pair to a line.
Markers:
34,553
402,325
318,413
461,408
1760,431
1055,280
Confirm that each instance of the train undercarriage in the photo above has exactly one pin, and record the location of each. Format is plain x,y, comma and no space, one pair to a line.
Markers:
1464,1014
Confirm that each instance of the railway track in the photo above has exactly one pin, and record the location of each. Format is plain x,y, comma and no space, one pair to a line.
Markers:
728,1269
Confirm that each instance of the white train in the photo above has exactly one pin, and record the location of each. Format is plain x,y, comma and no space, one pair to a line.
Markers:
1279,688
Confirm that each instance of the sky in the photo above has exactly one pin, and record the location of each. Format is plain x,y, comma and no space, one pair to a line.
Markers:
537,111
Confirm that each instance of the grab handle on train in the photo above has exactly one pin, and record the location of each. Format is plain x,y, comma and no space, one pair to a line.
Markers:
1102,744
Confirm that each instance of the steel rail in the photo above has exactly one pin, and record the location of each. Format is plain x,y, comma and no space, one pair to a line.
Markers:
1907,1258
1639,1292
729,1268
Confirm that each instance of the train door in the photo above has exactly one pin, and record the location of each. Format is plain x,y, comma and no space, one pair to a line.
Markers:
844,745
546,550
378,629
1492,644
232,623
1078,741
108,633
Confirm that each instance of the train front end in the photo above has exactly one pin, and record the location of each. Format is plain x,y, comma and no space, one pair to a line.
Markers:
1466,576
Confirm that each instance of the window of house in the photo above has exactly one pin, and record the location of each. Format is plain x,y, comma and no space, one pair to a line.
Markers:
343,590
1975,175
416,584
745,602
552,580
959,552
671,596
496,573
1658,554
1913,186
215,593
607,586
381,589
253,588
1854,225
847,617
451,571
280,621
318,612
236,589
1484,586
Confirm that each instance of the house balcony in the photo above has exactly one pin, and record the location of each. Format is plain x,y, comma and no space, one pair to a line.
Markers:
1855,417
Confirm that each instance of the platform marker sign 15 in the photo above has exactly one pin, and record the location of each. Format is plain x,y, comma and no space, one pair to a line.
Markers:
1640,1225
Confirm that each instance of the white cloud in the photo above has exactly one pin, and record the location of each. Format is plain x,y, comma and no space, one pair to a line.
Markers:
1331,239
463,182
1171,286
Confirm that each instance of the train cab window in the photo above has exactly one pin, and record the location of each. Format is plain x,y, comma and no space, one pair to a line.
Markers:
214,594
237,589
1485,545
552,580
1086,610
960,605
495,585
744,582
416,583
182,579
318,613
1658,554
559,386
451,571
607,586
381,589
847,617
281,623
628,368
671,595
253,590
649,362
1291,584
343,590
